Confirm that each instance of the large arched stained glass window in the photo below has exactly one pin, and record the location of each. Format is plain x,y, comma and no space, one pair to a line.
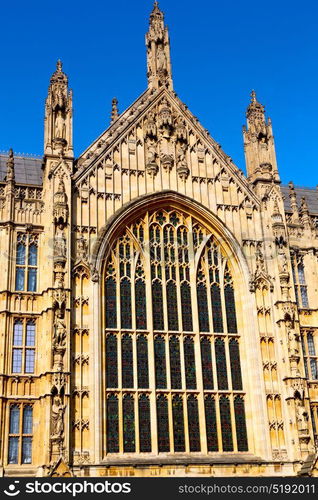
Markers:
172,340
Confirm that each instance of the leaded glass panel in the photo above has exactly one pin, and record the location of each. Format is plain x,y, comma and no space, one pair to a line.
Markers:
144,423
240,422
189,362
206,359
160,363
178,424
163,424
129,423
221,364
112,424
127,362
193,421
142,362
226,426
210,422
175,365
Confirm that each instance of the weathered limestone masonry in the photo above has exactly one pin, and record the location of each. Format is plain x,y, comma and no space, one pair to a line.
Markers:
158,309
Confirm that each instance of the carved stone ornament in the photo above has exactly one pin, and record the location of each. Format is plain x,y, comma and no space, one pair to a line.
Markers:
60,207
151,164
57,419
59,298
182,164
167,162
59,335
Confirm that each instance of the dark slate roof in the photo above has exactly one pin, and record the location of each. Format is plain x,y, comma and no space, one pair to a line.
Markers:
311,195
27,170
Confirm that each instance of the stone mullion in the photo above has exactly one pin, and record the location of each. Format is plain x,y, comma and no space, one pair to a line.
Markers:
186,422
170,420
163,281
137,437
221,285
233,425
151,354
218,422
81,365
197,345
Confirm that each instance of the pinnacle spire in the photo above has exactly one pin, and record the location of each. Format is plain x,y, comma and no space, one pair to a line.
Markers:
10,166
115,112
59,65
158,51
253,96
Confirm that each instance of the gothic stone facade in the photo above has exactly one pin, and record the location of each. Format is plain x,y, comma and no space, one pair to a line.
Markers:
159,310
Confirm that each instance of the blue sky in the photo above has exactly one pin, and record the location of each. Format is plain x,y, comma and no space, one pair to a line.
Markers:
220,51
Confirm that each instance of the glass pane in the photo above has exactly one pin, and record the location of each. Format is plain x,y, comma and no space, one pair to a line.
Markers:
226,426
189,362
142,362
186,307
210,421
203,308
175,366
221,364
206,359
240,423
216,308
125,303
235,365
29,360
163,424
20,255
230,309
19,279
157,305
129,424
140,299
30,335
18,333
144,424
13,450
313,367
304,296
111,361
127,362
112,425
14,420
27,420
32,280
172,306
111,314
33,255
17,360
178,424
193,422
311,345
26,450
301,274
160,363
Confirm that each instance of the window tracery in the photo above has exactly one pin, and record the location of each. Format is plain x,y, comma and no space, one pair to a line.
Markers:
171,328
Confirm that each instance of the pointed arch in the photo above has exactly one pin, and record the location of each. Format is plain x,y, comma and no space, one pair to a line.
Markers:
216,362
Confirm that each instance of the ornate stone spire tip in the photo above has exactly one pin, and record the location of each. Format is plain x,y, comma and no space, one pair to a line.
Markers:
253,96
59,65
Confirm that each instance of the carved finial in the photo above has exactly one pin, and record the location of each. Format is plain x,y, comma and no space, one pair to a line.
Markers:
115,112
293,201
59,65
304,205
158,51
253,96
10,166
